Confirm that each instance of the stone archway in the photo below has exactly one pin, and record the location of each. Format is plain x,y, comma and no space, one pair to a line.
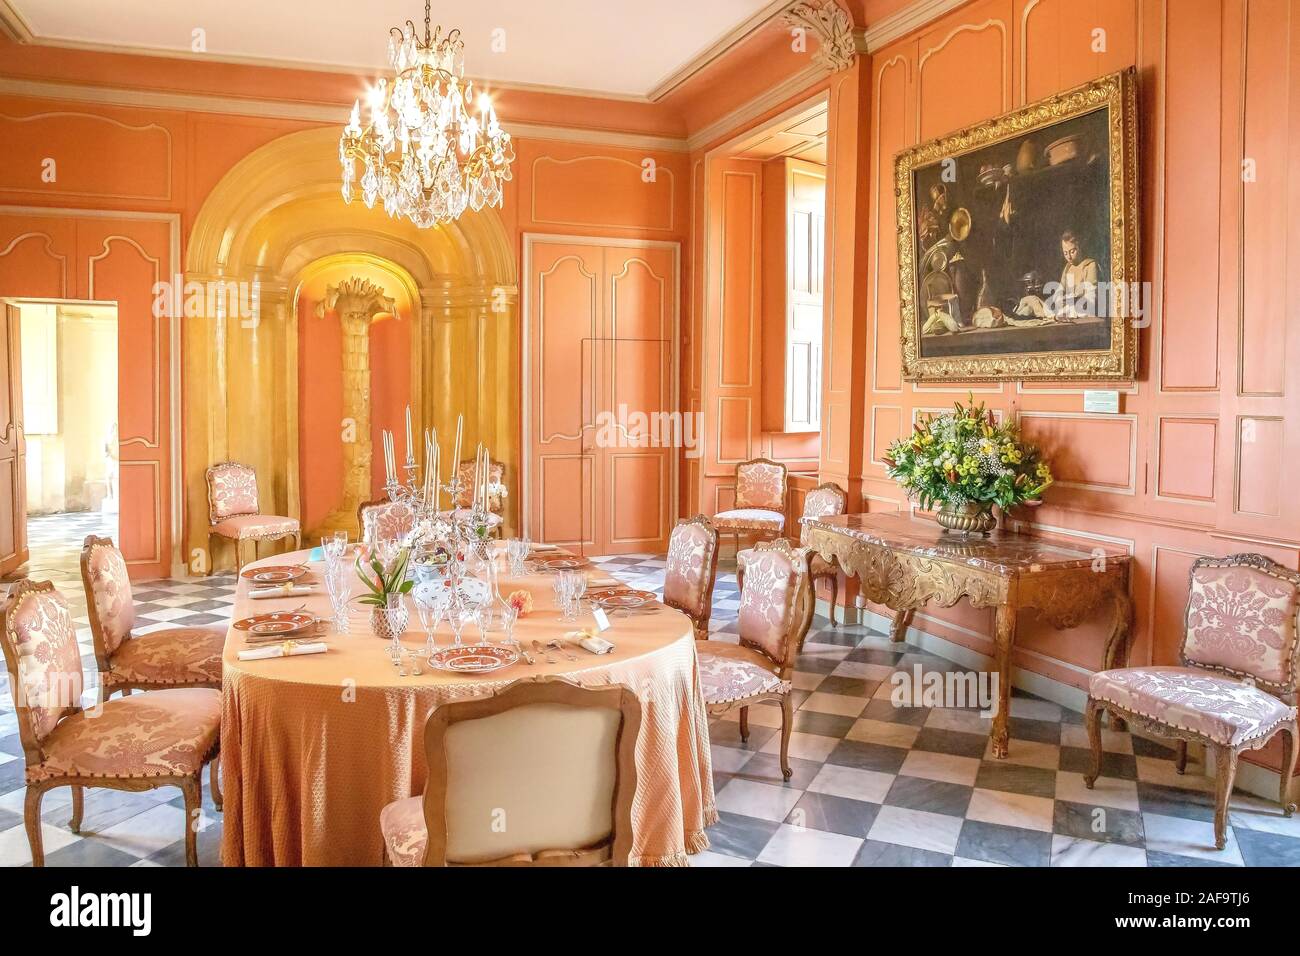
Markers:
270,217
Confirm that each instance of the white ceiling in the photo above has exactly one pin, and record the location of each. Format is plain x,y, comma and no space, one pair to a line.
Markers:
614,47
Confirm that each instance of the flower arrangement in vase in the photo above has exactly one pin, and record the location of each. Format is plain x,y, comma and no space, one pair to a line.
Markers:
386,582
964,462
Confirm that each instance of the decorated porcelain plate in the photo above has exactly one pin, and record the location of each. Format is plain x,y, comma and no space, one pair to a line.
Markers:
275,574
626,598
562,564
436,592
473,658
277,622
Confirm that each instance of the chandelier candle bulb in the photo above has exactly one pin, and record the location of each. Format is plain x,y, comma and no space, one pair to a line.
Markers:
455,454
410,445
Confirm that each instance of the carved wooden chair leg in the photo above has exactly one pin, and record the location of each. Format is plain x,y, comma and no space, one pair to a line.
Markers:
835,596
1290,750
193,808
1092,719
78,804
744,723
214,767
32,819
1226,762
787,724
1180,756
239,556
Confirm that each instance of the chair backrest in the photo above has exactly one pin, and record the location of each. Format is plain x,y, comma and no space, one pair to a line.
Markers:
776,601
108,596
825,500
384,520
541,773
496,475
692,569
1241,620
760,483
232,491
43,660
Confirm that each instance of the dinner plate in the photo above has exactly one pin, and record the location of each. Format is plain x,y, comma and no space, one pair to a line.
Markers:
473,658
611,600
562,564
274,574
277,622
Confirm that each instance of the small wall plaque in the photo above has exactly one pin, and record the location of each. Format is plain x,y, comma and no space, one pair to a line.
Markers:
1105,401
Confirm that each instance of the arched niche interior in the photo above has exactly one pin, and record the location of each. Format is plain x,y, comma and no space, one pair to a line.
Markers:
277,220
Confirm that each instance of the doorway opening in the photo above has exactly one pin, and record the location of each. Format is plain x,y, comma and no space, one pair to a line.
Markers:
69,394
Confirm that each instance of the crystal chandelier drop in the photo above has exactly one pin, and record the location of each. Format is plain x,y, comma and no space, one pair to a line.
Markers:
429,150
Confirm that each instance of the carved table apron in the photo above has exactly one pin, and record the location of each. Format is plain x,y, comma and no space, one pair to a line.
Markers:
906,563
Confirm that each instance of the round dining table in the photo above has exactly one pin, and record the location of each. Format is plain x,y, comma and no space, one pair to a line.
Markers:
313,746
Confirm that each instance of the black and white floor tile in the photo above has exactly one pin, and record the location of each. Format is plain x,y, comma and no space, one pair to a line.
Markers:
873,785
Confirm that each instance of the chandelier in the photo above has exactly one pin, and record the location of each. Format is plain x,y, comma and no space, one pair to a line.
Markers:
429,150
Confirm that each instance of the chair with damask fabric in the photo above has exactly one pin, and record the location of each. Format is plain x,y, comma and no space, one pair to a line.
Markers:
140,742
823,501
233,511
760,501
776,607
384,520
496,502
1235,686
169,657
692,570
555,759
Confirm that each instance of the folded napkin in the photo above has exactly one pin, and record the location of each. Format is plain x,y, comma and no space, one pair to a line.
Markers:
543,547
605,583
293,590
589,642
283,649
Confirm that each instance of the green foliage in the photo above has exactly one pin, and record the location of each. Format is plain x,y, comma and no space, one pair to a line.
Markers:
381,582
965,457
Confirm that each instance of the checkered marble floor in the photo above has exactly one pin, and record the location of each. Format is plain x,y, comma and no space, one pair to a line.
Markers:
873,784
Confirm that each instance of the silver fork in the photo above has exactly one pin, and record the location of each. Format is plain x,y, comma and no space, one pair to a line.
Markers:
541,651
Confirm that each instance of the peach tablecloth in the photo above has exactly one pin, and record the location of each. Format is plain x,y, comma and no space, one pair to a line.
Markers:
312,747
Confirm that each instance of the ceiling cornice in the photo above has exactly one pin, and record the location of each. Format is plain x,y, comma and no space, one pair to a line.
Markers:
13,25
717,50
902,22
306,112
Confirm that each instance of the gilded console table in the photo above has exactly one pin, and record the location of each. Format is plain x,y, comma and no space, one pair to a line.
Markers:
906,563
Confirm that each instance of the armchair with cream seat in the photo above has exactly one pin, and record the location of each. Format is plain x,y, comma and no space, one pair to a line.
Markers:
553,761
233,511
775,610
169,657
1235,686
826,499
760,502
134,743
692,570
383,519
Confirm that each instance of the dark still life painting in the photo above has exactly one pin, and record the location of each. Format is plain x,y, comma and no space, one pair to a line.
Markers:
1017,249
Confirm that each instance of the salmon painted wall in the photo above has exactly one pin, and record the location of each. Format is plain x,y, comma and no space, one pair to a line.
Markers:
130,180
1193,463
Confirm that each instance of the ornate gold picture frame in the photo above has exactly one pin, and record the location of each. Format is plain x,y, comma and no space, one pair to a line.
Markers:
1018,243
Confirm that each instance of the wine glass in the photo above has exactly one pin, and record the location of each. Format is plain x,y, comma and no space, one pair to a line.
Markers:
458,615
338,585
517,554
396,617
430,610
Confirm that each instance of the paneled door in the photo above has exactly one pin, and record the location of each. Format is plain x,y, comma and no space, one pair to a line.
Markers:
13,446
602,433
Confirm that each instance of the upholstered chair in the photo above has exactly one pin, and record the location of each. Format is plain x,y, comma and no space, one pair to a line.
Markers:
496,504
170,657
760,502
824,500
692,569
776,607
1235,686
141,742
382,520
555,759
233,511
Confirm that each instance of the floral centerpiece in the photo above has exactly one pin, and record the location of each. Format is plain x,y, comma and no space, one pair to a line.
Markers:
964,462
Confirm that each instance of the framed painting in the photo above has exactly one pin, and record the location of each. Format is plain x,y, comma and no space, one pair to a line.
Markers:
1018,243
